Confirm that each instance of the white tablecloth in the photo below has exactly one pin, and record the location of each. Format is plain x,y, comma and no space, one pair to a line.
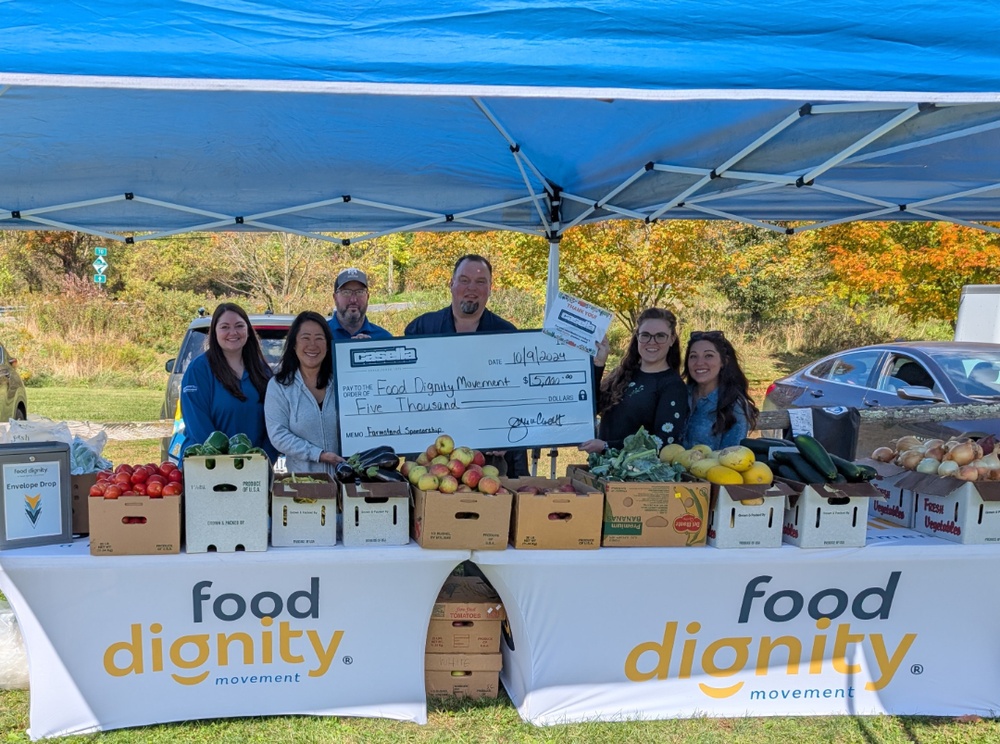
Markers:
663,633
126,641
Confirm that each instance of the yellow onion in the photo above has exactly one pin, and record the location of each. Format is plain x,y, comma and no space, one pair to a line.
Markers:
909,459
937,452
947,469
968,473
933,443
995,474
907,443
963,454
883,454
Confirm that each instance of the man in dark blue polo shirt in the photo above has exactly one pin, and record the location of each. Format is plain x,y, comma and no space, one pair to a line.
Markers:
471,283
350,319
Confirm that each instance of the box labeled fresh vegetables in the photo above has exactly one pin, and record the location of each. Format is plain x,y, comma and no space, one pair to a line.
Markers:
899,506
960,511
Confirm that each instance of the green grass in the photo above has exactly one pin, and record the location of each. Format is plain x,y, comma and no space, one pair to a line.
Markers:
495,721
95,404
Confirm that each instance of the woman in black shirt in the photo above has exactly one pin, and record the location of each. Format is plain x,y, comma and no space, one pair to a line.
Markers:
646,388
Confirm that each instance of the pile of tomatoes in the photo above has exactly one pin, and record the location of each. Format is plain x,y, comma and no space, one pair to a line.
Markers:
150,480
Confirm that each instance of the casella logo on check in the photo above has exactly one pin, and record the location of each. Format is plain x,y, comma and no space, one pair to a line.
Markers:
190,658
684,654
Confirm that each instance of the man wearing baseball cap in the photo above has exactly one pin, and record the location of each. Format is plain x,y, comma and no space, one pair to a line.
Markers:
350,319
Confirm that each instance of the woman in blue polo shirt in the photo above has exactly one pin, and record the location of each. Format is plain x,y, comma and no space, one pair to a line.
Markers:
223,389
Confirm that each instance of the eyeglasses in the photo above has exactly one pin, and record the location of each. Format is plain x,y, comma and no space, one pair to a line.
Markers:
352,292
709,335
645,338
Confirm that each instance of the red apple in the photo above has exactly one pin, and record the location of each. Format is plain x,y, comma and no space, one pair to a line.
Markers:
488,484
471,477
416,473
478,458
428,482
432,452
457,467
438,470
463,454
448,484
491,470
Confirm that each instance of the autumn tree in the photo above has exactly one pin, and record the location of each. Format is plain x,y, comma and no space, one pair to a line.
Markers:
628,266
919,268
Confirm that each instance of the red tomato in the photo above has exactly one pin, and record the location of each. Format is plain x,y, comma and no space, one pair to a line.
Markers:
123,478
112,492
172,489
157,479
176,476
123,468
154,489
139,475
139,488
130,492
166,467
98,489
152,467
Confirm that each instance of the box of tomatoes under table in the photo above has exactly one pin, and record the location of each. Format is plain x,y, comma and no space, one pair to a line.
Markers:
136,511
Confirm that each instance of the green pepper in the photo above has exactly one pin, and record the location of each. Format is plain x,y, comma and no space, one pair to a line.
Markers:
239,439
193,451
238,448
208,450
219,441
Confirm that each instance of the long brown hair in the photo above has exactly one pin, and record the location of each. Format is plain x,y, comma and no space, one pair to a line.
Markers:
614,385
253,357
734,388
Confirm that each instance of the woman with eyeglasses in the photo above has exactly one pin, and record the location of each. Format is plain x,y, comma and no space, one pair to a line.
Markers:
301,405
645,389
722,412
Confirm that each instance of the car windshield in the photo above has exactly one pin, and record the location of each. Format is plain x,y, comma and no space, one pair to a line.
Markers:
272,342
976,373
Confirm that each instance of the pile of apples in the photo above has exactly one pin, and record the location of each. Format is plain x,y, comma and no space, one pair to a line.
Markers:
155,481
964,459
449,469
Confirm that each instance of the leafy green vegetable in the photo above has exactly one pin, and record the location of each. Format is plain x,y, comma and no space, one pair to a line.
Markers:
637,460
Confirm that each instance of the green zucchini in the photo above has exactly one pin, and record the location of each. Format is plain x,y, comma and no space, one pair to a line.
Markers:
816,454
787,471
762,445
852,471
806,472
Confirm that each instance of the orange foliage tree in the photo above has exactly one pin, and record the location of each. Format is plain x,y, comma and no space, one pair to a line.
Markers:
919,268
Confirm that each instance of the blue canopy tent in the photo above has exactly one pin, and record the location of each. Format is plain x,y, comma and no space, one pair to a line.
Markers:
323,116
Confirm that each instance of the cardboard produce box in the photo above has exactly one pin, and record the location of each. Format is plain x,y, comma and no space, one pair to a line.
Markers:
376,514
828,515
898,507
472,676
952,509
647,514
467,598
135,525
555,518
736,521
226,500
463,636
461,521
304,514
465,618
79,487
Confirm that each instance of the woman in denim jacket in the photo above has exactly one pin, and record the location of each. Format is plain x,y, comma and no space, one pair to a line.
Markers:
721,411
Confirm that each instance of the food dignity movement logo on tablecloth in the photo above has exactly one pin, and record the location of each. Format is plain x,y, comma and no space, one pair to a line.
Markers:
277,641
683,654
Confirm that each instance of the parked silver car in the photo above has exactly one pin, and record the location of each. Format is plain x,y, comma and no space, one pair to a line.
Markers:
13,397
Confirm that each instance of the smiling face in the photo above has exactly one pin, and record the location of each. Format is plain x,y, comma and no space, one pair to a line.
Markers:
470,288
231,332
704,364
654,338
310,345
